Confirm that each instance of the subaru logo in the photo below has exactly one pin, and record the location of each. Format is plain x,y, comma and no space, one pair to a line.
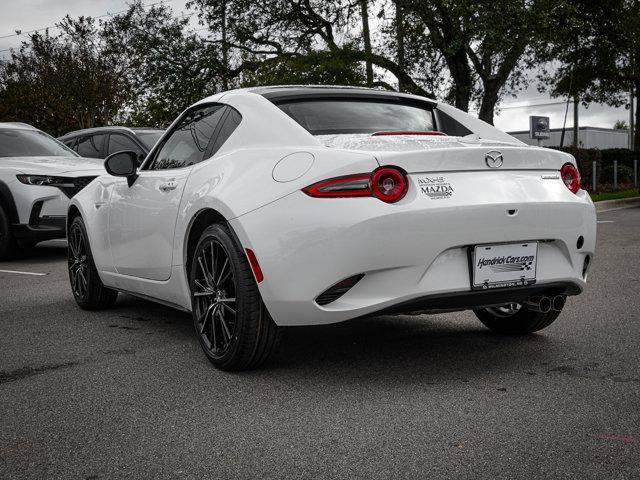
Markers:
493,159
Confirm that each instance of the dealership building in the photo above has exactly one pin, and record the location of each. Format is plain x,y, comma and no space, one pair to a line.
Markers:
588,137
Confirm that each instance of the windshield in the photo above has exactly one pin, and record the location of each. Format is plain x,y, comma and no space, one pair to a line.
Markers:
31,143
326,117
149,138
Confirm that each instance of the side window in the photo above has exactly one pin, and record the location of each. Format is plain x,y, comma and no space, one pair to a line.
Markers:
187,143
119,142
90,146
231,122
71,143
452,127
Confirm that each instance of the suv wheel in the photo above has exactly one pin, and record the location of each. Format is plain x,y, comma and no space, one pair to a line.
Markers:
8,245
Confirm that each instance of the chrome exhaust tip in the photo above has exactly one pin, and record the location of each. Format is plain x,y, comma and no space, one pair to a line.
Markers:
539,304
558,302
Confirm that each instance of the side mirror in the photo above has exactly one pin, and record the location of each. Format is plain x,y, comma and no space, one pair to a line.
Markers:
122,164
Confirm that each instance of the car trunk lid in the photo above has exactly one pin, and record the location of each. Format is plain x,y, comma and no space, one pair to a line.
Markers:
421,153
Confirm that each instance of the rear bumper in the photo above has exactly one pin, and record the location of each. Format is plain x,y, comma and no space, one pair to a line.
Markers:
480,298
413,254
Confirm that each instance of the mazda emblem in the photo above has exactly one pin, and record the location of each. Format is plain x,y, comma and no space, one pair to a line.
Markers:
493,159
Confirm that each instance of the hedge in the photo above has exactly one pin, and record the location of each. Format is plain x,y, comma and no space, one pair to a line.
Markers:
604,165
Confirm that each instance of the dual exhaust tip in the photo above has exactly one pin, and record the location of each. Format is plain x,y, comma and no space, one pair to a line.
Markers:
544,304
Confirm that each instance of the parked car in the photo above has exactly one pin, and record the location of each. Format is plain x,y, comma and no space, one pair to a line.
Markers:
277,206
101,142
38,176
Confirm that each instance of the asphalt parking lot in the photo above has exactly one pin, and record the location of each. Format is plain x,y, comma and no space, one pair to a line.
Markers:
127,392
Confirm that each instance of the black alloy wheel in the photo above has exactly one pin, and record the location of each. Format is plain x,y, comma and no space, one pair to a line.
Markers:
86,285
78,262
232,323
214,298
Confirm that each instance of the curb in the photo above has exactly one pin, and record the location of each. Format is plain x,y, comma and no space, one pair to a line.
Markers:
617,204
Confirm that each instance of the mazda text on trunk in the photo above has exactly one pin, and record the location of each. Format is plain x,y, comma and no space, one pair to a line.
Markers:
278,206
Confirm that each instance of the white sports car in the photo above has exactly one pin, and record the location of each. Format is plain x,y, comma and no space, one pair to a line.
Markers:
276,206
38,175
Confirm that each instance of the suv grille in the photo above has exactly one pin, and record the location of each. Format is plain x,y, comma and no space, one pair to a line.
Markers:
72,186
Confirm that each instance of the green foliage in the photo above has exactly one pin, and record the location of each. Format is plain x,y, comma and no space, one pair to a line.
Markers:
166,67
63,82
584,159
319,68
604,165
595,50
625,174
617,195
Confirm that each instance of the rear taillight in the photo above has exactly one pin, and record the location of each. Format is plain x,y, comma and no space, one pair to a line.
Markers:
389,184
570,176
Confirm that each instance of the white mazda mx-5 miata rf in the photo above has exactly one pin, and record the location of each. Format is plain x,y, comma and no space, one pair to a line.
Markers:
276,206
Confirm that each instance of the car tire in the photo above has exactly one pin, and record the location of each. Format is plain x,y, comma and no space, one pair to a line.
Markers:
8,245
86,286
521,322
232,323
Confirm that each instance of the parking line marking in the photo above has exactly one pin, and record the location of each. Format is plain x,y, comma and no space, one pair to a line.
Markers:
606,221
18,272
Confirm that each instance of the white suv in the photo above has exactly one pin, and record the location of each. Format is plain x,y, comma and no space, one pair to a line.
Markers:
38,176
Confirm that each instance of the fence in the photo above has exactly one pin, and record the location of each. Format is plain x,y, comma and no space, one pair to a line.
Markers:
606,170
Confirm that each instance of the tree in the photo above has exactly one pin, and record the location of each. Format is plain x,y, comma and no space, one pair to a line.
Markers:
596,54
621,125
166,66
63,82
266,33
487,45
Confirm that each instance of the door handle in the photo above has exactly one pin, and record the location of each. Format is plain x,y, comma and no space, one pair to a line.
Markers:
168,186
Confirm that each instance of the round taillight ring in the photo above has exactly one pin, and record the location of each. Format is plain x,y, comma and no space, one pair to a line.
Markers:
389,184
570,176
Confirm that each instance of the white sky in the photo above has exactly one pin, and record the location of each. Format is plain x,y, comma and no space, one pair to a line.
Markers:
28,15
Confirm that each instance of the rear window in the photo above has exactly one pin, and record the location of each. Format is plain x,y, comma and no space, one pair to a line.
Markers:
31,143
328,117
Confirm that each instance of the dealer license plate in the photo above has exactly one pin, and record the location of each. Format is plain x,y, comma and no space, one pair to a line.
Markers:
504,265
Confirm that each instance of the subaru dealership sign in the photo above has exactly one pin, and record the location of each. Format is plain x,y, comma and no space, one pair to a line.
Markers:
539,127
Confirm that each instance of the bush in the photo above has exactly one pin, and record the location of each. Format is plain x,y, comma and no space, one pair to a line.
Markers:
625,174
585,158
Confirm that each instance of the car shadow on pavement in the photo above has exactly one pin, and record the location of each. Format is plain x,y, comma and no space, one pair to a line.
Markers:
428,348
52,251
425,349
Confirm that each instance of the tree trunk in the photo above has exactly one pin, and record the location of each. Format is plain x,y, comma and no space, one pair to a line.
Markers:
462,84
576,123
636,134
367,41
489,100
225,47
400,43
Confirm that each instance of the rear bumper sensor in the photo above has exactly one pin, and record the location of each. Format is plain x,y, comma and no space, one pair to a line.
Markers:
334,292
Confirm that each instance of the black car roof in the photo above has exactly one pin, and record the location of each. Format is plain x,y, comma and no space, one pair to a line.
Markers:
113,128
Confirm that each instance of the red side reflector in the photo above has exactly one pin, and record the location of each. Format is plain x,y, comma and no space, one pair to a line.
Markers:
430,134
255,266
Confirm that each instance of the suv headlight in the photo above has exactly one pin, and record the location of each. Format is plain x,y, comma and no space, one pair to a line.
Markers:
45,180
